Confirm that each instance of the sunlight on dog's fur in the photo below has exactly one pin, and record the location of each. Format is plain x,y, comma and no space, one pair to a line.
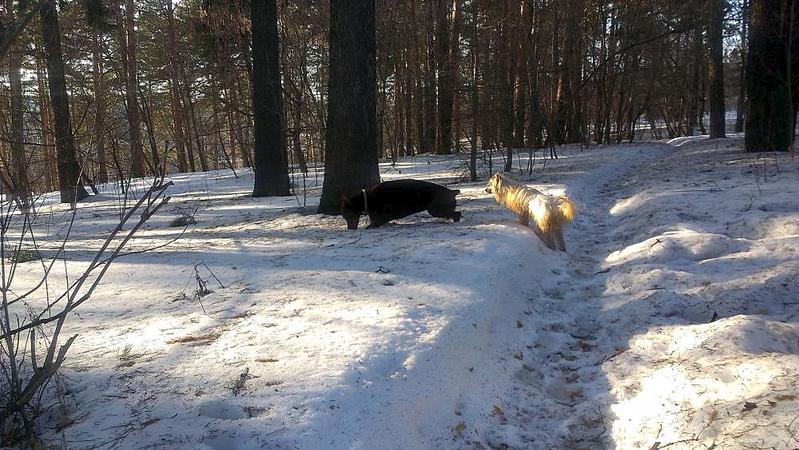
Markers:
549,214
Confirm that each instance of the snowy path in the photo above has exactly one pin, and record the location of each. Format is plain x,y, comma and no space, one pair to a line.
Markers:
460,390
558,400
474,377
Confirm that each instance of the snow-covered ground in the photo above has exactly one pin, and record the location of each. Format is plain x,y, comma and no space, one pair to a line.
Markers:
671,321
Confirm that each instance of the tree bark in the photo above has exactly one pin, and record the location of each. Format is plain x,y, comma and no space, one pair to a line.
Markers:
507,58
474,93
568,118
428,138
695,87
21,186
178,110
128,46
534,108
520,83
741,108
769,117
99,108
191,120
271,167
447,34
351,156
793,32
716,66
46,117
156,167
69,170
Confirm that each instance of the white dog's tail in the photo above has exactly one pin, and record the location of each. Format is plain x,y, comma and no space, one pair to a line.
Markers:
566,210
560,211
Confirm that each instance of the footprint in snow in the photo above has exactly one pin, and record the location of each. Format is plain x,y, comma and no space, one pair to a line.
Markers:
220,409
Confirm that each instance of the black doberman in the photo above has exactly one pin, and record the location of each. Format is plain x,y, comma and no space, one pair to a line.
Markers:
391,200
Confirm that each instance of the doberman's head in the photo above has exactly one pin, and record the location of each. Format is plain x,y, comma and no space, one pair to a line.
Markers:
350,213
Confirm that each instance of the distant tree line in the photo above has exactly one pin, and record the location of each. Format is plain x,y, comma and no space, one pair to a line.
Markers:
106,90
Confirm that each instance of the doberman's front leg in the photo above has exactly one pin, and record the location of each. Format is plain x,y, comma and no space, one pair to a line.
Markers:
376,220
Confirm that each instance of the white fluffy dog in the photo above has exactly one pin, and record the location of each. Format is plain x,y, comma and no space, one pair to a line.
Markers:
549,214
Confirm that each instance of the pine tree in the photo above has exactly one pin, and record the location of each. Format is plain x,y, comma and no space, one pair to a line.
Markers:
69,171
770,116
351,156
271,173
716,66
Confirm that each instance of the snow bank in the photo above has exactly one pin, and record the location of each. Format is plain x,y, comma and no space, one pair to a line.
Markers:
701,283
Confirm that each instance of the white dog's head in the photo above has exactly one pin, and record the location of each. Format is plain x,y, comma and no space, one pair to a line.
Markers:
493,183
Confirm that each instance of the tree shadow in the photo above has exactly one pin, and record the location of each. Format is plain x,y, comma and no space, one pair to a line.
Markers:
431,342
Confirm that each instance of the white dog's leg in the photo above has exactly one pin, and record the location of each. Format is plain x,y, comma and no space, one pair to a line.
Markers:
561,244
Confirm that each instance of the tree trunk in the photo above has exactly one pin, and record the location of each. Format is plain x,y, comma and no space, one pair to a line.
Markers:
271,167
296,136
46,117
242,138
214,133
408,103
21,186
447,34
702,101
716,34
156,167
351,156
695,86
741,108
178,110
400,140
474,93
99,108
128,44
568,118
770,115
227,89
69,170
520,82
794,51
507,57
534,107
193,145
429,124
178,130
191,120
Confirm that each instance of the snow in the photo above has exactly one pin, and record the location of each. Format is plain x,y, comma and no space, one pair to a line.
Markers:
671,321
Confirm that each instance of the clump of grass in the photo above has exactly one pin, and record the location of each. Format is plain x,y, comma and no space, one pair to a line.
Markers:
196,339
127,358
238,385
26,255
182,221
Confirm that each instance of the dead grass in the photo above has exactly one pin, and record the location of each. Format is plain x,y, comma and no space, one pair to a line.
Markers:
196,339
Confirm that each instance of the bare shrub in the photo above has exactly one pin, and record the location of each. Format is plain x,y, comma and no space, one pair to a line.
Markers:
32,348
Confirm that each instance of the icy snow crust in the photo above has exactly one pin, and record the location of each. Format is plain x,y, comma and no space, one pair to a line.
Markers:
671,321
